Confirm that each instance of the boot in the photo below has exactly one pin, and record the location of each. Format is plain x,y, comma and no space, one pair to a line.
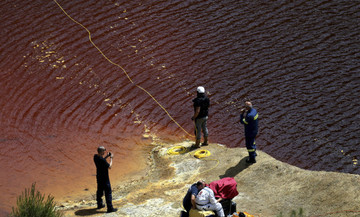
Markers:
205,143
197,143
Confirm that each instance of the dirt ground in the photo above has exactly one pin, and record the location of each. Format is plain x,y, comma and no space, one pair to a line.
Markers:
266,188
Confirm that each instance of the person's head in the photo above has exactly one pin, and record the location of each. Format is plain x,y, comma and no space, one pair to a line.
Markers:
200,91
200,184
248,105
101,150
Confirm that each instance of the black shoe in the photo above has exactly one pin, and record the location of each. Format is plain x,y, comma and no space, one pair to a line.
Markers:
204,144
250,161
193,147
100,206
112,210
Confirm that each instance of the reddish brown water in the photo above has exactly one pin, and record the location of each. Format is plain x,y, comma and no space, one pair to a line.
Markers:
297,61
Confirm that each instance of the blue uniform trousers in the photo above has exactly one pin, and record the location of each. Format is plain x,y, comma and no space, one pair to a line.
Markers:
251,147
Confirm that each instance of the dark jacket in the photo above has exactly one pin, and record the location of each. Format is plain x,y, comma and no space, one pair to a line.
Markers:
203,102
102,169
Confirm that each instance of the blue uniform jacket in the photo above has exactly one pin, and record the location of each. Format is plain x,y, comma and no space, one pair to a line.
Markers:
250,122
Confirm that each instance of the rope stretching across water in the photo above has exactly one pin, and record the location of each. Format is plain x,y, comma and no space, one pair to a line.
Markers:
138,86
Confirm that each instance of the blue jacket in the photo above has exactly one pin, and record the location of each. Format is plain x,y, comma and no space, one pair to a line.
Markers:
250,122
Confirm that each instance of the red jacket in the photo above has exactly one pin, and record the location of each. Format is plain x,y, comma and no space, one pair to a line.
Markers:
224,188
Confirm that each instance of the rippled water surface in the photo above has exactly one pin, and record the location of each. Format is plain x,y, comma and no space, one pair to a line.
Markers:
299,62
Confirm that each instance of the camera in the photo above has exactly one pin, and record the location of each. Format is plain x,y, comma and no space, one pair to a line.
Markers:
109,154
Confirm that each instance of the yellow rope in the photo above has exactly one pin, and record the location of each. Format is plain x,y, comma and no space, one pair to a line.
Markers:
177,150
202,153
121,68
217,163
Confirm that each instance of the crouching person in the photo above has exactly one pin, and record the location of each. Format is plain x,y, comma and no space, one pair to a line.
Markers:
205,200
190,197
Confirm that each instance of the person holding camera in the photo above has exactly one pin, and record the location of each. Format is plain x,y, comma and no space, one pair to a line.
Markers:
102,178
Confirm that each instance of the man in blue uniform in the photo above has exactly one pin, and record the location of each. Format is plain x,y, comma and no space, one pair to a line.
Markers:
249,118
201,112
190,197
102,178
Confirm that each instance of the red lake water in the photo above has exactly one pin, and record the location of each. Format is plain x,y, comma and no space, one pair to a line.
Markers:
60,97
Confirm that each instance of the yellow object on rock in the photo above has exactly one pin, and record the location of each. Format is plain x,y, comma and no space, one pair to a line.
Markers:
237,214
202,153
198,213
177,150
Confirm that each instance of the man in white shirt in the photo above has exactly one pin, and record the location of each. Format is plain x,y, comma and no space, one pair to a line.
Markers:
205,200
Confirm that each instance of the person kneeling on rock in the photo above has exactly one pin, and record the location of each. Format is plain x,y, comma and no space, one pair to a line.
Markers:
190,197
205,200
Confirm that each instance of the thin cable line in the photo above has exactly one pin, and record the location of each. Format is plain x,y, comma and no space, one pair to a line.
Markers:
138,86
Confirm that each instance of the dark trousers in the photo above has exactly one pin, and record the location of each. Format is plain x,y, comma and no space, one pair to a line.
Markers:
251,147
187,207
101,188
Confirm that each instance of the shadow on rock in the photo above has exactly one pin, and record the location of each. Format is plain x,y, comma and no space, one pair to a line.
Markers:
233,171
88,212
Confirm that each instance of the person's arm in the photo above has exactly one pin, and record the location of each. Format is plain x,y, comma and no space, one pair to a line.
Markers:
193,203
212,197
197,111
111,157
242,118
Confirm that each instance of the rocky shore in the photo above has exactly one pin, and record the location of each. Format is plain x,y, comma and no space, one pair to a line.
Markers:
266,188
